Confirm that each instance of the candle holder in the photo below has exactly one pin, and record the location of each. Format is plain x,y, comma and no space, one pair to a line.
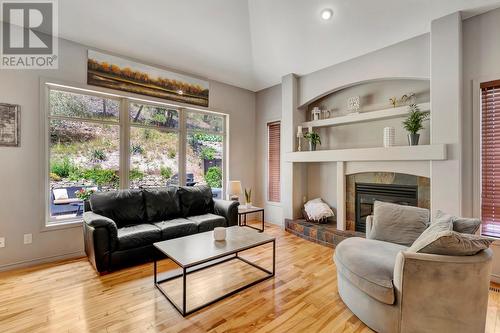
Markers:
300,135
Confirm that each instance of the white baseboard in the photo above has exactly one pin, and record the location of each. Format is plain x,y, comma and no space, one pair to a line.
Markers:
43,260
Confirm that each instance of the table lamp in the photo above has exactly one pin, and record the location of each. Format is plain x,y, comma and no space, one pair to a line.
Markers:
234,190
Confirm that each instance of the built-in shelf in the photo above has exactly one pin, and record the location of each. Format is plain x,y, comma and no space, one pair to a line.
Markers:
399,153
364,116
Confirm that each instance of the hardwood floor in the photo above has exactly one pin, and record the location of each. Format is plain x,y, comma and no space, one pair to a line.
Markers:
302,297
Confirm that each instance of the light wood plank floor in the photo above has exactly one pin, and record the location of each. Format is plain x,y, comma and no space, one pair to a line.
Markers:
70,297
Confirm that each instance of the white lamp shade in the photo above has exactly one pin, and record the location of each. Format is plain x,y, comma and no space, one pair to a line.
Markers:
234,187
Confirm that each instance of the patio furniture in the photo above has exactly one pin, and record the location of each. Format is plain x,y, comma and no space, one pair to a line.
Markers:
68,203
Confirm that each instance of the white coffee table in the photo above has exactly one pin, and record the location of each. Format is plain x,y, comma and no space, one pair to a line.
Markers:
200,251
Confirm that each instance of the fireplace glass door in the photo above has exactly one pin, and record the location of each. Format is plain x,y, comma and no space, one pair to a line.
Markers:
367,194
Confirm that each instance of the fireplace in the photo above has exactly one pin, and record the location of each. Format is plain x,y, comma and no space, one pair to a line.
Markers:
367,193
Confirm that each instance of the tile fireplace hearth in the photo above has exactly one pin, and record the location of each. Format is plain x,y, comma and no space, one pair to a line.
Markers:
324,234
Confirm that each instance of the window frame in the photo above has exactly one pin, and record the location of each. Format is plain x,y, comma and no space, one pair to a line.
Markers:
125,125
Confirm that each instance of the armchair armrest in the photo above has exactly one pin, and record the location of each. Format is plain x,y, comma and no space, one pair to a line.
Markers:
228,209
440,293
100,236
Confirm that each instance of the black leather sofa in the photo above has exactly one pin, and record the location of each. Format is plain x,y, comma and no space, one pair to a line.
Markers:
122,225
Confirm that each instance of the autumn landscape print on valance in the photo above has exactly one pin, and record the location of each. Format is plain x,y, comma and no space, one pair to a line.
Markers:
117,73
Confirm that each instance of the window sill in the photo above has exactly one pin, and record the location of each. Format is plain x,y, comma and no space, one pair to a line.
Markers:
53,226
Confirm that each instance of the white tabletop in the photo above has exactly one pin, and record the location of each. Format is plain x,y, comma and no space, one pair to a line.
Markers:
199,248
244,210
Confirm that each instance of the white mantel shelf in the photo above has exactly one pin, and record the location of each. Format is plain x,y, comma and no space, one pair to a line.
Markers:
400,153
364,116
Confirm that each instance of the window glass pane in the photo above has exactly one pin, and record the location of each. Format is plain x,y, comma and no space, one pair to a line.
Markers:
154,115
153,158
83,157
63,103
205,122
204,161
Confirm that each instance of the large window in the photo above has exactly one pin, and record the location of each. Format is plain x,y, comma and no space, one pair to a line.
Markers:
154,146
205,150
490,158
274,161
99,142
84,153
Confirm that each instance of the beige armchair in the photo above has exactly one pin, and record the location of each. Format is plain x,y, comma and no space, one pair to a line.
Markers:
392,290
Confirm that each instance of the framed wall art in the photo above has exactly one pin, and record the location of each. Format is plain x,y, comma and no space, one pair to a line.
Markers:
10,125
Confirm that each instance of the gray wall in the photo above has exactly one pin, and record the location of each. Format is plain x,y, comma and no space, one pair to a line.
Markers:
20,198
408,59
267,109
481,62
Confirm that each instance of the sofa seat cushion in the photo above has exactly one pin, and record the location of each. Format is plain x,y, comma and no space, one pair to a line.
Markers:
176,228
369,265
207,222
133,236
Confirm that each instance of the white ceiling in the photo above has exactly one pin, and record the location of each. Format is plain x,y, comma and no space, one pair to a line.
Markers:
250,43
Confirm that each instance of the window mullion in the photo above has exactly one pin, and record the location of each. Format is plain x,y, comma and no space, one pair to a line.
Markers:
182,147
124,144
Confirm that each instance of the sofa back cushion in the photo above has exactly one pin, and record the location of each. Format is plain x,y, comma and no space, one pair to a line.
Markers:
196,200
124,206
162,203
397,223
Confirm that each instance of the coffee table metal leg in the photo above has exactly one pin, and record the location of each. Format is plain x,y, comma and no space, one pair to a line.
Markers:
154,269
184,291
262,222
274,256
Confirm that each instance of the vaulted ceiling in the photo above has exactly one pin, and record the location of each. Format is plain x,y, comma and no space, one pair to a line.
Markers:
250,43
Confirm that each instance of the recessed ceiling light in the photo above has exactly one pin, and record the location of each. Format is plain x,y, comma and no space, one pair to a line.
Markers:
326,14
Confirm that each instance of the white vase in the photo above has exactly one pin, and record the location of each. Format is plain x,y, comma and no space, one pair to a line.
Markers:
389,136
219,234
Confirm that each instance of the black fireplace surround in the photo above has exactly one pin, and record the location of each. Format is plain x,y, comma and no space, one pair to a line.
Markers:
367,194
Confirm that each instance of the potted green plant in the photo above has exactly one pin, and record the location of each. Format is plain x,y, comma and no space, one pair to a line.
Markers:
414,123
248,197
313,139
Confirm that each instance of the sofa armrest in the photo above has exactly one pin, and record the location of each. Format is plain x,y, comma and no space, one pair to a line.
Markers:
369,224
439,293
228,209
100,236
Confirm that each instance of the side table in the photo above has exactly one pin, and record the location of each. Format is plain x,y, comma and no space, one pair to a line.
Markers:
242,216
